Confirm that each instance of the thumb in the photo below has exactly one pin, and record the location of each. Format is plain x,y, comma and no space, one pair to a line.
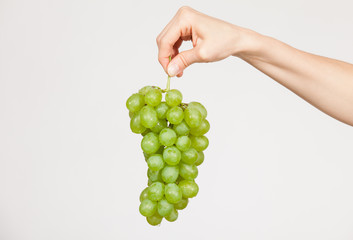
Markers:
182,61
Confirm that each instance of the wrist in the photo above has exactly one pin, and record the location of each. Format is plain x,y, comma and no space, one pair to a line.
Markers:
248,43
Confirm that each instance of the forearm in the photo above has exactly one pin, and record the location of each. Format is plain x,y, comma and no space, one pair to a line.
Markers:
325,83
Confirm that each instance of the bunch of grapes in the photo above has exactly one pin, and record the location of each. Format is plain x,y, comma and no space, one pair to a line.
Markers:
173,144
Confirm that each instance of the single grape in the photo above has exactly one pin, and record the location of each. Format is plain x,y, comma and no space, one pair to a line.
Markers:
199,143
172,216
188,188
183,143
167,137
173,193
144,194
192,117
144,90
154,176
182,129
170,173
199,107
162,123
171,155
188,172
200,159
173,97
153,97
175,115
150,143
148,117
162,110
202,129
156,191
135,124
155,219
135,102
181,204
148,208
164,208
155,162
189,156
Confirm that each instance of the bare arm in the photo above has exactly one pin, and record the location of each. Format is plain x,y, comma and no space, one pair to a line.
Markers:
323,82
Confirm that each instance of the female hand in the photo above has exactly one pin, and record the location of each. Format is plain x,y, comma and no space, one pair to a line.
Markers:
212,40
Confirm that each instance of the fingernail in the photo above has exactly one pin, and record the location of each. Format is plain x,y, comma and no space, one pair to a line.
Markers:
173,69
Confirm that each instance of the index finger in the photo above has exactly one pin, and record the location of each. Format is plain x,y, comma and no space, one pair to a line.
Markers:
166,41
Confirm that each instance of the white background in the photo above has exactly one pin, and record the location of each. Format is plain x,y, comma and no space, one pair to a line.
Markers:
276,167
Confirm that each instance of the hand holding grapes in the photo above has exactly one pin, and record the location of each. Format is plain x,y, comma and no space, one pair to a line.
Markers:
323,82
213,40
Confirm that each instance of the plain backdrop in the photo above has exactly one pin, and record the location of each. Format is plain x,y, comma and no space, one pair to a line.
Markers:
70,168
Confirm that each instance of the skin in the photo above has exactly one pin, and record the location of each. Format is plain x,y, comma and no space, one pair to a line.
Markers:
323,82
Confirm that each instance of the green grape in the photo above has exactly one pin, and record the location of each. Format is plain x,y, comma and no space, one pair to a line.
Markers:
188,188
162,123
188,172
199,107
175,115
189,156
148,117
181,204
172,216
156,191
150,143
131,114
167,137
155,219
164,208
144,194
171,155
170,173
202,129
154,176
199,143
173,97
200,159
173,193
192,117
144,90
135,102
135,124
162,110
148,208
183,143
182,129
155,162
153,97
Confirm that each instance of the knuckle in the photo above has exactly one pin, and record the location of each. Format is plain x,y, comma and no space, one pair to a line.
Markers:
203,55
184,9
183,60
164,43
158,40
